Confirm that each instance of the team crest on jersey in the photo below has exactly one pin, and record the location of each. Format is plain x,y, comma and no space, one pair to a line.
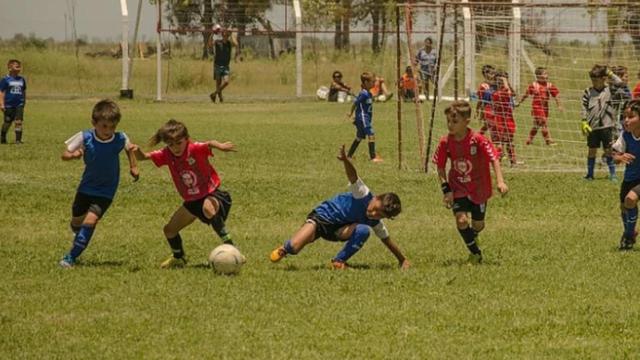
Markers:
191,161
463,167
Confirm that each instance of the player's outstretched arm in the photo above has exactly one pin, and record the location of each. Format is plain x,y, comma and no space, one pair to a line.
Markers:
139,154
349,169
395,250
497,169
522,99
225,146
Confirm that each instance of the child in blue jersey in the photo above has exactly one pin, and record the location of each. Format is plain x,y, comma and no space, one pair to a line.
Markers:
99,148
13,95
347,217
362,106
626,150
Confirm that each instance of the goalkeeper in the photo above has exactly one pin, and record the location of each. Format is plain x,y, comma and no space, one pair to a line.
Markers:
598,118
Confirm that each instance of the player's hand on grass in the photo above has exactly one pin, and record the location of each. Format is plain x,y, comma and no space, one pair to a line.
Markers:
503,189
342,155
585,128
227,146
626,158
406,264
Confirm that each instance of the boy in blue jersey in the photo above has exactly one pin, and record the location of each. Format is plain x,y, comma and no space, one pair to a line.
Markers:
347,217
13,94
626,150
99,147
362,106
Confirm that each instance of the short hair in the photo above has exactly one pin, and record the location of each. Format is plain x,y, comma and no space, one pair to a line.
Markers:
106,110
429,39
409,68
619,70
598,71
487,68
390,204
633,106
461,107
539,70
12,61
336,73
367,76
171,130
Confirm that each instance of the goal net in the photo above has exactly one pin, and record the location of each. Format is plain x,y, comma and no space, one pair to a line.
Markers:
566,39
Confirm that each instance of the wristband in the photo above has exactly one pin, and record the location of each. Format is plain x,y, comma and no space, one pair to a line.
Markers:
445,188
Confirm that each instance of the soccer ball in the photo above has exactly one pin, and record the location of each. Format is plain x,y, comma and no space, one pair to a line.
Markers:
422,97
382,98
226,259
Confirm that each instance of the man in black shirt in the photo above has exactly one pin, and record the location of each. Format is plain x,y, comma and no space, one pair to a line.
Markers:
222,58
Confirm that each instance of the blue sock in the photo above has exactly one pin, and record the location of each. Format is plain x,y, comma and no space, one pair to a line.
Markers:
612,166
355,242
81,241
591,163
629,218
289,248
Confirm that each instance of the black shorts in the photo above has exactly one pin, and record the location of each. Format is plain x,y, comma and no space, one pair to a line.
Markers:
12,114
628,186
224,202
84,203
478,211
324,229
600,137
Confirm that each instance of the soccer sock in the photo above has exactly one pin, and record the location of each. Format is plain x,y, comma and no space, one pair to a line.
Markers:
629,219
3,136
591,163
81,240
288,247
176,246
217,223
18,135
612,166
354,147
372,149
356,241
533,132
469,237
74,228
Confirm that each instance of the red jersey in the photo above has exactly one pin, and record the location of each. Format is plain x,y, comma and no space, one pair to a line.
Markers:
469,175
635,94
541,93
192,174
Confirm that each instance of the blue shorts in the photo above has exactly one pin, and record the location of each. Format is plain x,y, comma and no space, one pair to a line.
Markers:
363,130
220,71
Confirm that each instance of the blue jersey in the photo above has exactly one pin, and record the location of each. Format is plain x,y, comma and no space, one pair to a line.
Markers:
102,162
364,108
627,143
14,89
351,208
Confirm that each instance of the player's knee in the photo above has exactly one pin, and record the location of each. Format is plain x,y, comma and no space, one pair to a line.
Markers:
631,200
210,207
169,231
462,222
360,233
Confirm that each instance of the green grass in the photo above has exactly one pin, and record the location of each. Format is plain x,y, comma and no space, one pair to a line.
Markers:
553,285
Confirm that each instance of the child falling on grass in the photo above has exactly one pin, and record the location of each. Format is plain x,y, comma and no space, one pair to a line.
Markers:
467,187
99,148
626,150
197,182
347,217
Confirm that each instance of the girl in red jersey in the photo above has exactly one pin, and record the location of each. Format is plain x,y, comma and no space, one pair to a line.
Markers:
195,179
467,187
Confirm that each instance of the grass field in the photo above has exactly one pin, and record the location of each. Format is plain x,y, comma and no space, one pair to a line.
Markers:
553,284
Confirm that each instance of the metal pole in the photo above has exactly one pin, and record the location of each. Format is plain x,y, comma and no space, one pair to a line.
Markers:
159,54
398,100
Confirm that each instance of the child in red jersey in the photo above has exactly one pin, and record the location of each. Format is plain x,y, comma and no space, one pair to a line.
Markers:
541,90
635,93
195,179
484,109
505,125
467,187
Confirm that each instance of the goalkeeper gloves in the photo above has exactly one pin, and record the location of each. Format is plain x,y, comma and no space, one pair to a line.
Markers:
586,129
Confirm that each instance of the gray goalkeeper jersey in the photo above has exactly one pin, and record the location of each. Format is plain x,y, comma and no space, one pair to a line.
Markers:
598,108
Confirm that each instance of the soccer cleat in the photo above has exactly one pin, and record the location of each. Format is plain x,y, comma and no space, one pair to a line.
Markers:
278,254
627,244
588,178
18,142
377,159
475,259
220,97
212,96
67,262
528,142
338,265
613,178
172,263
551,143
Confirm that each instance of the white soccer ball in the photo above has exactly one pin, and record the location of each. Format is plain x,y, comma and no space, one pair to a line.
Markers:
382,98
226,259
422,97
